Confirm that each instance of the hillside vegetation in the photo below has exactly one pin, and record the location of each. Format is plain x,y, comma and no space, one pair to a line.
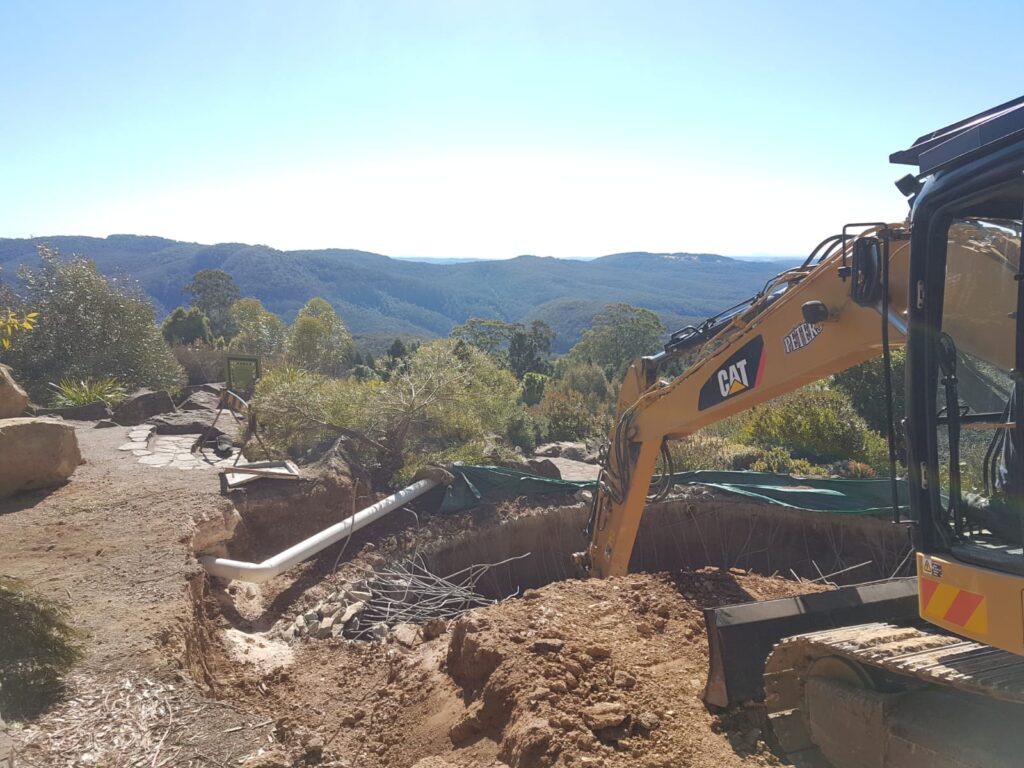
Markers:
379,298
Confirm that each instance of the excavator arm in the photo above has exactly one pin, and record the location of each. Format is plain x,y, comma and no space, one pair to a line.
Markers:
806,324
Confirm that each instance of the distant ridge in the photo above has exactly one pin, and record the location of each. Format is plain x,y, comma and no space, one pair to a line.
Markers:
381,297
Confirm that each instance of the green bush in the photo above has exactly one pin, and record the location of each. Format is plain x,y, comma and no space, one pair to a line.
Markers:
533,387
443,398
820,425
69,392
779,462
37,648
187,326
90,327
568,416
525,431
703,451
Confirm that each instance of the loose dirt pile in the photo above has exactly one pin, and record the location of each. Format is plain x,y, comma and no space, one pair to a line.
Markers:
578,673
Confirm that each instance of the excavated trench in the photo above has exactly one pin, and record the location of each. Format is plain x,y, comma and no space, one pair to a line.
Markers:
697,530
681,534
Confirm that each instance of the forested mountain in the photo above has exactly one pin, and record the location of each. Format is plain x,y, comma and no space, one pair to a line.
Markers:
378,296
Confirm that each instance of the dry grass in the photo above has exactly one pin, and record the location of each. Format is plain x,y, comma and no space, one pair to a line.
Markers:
129,723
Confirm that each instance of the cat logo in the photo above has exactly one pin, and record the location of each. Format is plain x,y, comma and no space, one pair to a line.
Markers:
742,371
734,379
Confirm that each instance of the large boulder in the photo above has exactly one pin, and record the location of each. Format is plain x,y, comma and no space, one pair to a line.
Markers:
141,405
13,399
37,453
184,423
201,401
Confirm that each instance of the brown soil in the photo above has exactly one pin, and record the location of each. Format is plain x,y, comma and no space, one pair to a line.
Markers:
575,673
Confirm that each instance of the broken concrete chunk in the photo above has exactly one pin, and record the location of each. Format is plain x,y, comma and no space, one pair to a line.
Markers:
351,612
324,630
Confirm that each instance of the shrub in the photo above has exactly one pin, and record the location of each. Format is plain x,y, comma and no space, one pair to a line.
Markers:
90,327
37,648
318,341
69,392
816,424
703,451
779,462
443,398
525,431
568,416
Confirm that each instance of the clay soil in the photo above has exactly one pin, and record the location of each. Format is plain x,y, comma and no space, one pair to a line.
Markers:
575,673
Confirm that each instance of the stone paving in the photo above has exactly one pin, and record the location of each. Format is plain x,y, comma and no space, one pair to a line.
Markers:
172,451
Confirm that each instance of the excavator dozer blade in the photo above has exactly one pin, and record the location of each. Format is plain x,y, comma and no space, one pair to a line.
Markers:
741,637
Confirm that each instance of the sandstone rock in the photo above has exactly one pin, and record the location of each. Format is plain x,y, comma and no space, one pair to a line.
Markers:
353,610
184,423
545,467
648,721
201,400
142,405
88,412
13,399
105,423
38,453
598,651
607,714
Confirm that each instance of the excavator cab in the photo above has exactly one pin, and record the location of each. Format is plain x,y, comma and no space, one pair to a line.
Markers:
965,358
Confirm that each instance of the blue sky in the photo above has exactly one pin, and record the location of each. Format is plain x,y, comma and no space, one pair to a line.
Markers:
482,129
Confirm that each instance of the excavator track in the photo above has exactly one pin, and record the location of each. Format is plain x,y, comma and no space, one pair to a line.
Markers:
884,695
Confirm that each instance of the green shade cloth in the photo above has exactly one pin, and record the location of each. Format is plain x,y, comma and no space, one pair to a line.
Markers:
844,497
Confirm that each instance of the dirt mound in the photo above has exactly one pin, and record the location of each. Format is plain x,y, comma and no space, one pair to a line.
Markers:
577,673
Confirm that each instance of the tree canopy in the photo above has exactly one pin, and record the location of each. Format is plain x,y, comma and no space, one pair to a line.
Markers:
213,292
187,326
257,331
618,335
319,341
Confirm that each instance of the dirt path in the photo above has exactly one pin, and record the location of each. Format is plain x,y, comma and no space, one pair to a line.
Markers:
109,545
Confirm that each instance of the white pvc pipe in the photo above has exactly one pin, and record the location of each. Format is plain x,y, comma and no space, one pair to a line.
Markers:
257,573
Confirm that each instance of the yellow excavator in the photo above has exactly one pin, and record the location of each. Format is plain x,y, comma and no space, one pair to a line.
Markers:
943,688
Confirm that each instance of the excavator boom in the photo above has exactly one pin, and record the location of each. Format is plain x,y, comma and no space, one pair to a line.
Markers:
808,323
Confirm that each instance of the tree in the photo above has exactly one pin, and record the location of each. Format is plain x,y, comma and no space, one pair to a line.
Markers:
93,327
528,348
513,345
213,291
619,334
864,384
187,326
258,332
318,341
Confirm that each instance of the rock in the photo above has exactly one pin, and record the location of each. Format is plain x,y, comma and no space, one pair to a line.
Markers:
598,651
313,748
648,721
201,401
549,450
623,679
141,405
13,399
105,423
607,714
434,629
407,635
37,453
584,495
331,609
184,423
531,594
576,452
547,645
88,412
545,468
